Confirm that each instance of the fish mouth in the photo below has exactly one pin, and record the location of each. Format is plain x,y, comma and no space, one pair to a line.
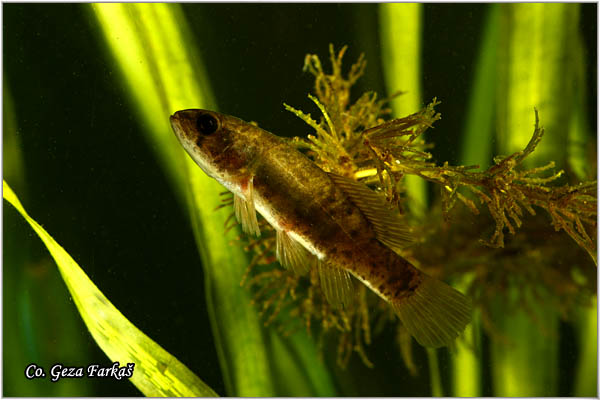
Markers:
174,119
176,126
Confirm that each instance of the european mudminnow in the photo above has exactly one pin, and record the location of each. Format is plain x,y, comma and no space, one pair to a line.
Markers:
322,220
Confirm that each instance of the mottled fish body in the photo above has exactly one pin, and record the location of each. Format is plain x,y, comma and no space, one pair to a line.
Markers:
322,220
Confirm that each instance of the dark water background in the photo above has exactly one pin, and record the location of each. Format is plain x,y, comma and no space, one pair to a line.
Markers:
92,181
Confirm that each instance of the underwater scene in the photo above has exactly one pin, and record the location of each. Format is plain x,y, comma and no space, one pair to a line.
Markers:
258,200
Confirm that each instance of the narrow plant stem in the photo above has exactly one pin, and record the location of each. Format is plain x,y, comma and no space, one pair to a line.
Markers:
400,27
434,373
466,358
586,374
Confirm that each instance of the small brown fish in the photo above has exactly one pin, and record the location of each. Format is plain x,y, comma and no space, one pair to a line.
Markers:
335,223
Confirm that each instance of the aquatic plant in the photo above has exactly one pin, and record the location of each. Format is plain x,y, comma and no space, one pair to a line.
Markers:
150,368
354,140
522,280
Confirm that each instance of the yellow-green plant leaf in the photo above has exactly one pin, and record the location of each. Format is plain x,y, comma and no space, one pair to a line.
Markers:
27,283
156,53
162,71
400,27
435,378
578,151
478,136
466,361
534,70
286,355
156,372
477,145
586,319
513,372
586,376
12,162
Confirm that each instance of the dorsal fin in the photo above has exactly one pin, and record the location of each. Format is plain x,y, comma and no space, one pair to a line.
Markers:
389,227
245,212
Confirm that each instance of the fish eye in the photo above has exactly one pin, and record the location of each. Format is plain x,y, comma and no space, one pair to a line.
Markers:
207,124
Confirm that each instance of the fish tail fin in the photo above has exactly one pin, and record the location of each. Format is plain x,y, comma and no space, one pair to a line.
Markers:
435,314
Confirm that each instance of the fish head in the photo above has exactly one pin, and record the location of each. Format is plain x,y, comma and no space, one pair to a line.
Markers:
223,146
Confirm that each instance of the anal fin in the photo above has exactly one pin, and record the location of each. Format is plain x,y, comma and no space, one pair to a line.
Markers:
292,254
336,284
389,227
245,212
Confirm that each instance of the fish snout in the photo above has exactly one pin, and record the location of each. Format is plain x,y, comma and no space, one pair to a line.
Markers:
176,124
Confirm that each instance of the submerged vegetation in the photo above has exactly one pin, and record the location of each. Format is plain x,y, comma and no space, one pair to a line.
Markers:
517,236
354,139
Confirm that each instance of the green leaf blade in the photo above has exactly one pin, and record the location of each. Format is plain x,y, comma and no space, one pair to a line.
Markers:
167,75
156,372
401,26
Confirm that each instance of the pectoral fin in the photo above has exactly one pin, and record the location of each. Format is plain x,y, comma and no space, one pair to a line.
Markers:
245,212
292,254
389,227
336,283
